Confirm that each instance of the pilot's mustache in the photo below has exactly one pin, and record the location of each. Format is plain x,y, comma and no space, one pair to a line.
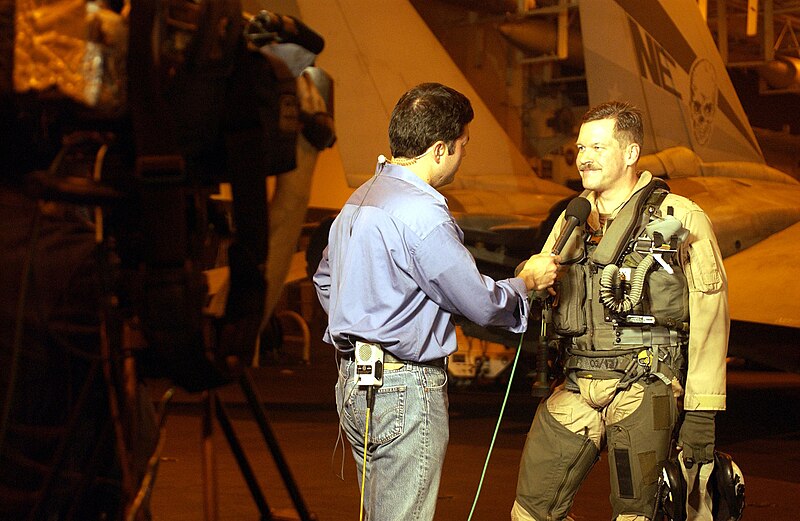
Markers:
587,165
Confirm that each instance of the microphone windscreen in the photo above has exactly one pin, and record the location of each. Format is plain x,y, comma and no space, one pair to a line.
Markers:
574,216
579,208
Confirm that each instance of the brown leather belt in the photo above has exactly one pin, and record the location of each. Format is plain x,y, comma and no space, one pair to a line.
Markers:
391,362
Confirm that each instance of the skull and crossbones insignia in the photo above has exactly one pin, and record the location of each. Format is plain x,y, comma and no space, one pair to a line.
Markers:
703,99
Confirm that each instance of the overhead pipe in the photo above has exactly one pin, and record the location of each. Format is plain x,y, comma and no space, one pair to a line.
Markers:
782,72
540,37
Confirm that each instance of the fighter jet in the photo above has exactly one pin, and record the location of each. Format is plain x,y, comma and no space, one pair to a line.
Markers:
659,55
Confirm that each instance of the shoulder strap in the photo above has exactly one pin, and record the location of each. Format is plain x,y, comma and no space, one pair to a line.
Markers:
629,222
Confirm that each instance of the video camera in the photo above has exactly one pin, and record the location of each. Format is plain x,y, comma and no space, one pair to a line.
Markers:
122,118
183,95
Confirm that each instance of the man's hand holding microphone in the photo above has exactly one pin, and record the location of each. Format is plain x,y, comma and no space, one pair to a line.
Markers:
540,271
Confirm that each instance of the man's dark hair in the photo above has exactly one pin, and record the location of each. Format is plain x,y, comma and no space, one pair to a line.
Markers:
628,126
428,113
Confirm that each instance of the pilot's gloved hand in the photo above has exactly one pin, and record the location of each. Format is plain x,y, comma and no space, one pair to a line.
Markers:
697,437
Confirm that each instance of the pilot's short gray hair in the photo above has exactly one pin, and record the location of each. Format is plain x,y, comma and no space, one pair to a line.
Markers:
628,120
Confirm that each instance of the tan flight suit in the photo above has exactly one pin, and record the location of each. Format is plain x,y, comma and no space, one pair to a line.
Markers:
599,404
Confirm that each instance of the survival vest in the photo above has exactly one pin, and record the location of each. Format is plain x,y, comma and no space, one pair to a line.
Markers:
624,302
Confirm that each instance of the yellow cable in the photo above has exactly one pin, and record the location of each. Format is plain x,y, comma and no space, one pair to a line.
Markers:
364,467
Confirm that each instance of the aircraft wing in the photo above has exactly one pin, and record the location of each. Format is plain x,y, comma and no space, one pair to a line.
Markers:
764,299
764,282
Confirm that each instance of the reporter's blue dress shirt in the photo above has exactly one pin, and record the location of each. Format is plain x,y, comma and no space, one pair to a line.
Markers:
396,269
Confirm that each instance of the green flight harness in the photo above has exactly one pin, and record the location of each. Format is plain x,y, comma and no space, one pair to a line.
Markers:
623,310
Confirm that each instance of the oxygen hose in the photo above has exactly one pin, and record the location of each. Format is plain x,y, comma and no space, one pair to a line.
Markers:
609,280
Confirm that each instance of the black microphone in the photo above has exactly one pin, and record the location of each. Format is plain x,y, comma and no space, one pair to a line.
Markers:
575,215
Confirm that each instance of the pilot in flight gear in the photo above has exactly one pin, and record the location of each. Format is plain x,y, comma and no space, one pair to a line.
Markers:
642,321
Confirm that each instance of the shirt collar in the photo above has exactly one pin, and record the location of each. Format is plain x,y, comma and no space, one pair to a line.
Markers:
404,174
644,178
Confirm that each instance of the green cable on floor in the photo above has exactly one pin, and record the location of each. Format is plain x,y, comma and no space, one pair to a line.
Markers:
496,427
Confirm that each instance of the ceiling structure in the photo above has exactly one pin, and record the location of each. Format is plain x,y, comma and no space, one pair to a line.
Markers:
761,35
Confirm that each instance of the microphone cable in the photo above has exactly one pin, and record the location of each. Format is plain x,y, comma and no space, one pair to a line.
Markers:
496,427
370,404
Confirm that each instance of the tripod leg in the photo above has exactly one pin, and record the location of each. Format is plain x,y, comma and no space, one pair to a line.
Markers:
246,383
62,450
91,472
241,459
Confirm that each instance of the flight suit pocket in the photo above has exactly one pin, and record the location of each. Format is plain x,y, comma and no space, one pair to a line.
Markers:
666,295
569,316
703,270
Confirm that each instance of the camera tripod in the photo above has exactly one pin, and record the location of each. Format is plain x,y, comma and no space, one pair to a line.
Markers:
213,407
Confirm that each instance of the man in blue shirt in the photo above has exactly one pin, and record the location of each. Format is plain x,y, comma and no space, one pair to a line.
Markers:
394,272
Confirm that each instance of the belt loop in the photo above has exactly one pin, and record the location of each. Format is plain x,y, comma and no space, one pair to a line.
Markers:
647,337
